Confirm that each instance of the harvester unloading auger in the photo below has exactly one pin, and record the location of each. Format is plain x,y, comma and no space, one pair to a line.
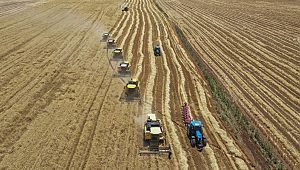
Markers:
154,138
194,129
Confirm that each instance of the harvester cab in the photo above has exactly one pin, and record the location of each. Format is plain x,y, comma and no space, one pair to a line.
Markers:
195,134
154,138
117,54
157,50
111,43
105,36
123,69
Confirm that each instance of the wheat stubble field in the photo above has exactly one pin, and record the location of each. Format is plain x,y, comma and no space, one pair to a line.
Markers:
60,108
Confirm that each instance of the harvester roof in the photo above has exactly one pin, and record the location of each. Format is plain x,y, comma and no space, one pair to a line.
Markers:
155,130
118,50
124,64
150,123
110,40
131,86
133,83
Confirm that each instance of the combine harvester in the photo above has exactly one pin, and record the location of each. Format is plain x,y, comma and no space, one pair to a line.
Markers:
111,43
194,129
105,37
132,91
154,138
117,54
123,69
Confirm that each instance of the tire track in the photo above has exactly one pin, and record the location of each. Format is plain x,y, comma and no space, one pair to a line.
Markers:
24,42
77,46
54,141
62,60
89,114
39,74
8,21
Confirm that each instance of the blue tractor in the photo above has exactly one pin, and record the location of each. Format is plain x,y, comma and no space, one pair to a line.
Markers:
195,134
157,50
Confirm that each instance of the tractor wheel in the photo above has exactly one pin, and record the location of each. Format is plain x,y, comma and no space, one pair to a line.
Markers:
193,142
204,141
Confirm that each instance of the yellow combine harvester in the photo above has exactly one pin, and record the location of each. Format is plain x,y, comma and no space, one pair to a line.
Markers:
154,138
111,44
132,90
117,54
